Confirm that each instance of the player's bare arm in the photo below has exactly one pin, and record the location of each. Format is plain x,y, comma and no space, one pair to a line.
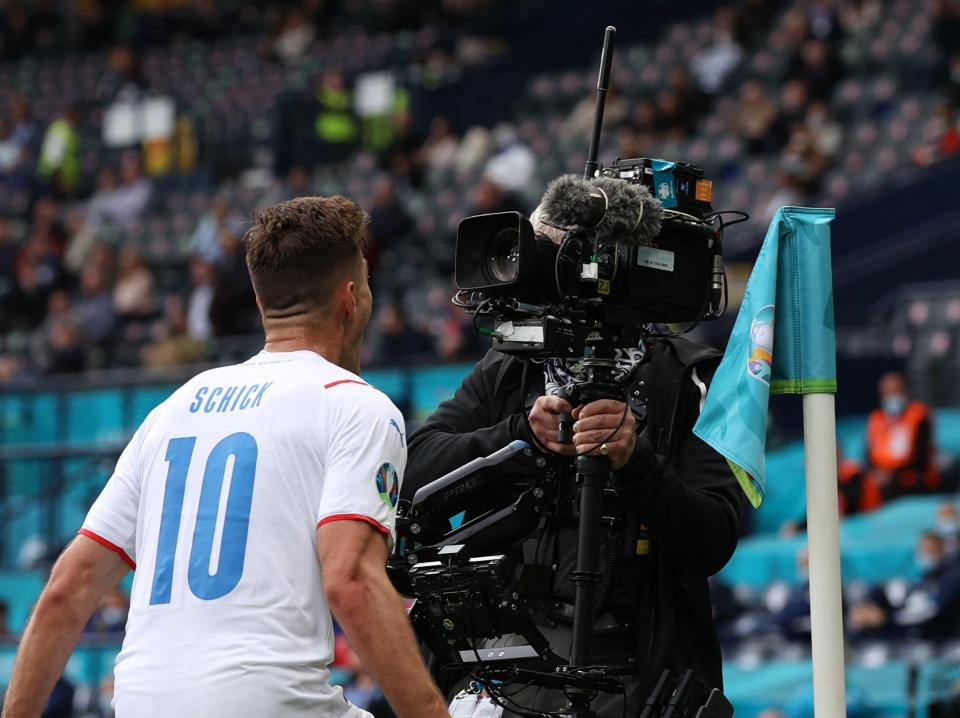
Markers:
82,575
353,555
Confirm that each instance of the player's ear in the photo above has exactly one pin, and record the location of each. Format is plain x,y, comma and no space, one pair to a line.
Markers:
347,296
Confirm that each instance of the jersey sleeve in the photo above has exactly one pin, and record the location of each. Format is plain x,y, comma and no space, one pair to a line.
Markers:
112,520
365,459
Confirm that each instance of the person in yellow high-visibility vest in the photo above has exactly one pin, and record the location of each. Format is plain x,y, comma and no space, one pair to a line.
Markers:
336,126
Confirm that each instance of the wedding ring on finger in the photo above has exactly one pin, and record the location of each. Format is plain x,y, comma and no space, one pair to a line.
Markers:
604,450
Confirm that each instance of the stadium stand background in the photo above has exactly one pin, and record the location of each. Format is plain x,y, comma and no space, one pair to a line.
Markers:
137,138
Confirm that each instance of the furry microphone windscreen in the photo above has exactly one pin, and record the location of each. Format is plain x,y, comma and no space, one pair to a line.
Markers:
622,211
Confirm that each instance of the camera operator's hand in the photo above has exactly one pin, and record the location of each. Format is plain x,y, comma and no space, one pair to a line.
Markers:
544,420
596,421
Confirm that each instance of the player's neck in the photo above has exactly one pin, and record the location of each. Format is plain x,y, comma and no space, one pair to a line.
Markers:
329,347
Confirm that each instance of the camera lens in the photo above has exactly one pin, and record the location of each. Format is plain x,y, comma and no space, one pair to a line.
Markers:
503,257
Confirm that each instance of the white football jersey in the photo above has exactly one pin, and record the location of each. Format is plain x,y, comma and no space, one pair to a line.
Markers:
215,502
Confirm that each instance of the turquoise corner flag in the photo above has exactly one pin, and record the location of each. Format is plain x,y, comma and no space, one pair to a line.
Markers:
783,342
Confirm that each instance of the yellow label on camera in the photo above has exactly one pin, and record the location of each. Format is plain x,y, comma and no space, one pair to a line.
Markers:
603,286
643,547
704,191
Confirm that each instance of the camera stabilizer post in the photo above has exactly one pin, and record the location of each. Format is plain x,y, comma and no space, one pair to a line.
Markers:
592,475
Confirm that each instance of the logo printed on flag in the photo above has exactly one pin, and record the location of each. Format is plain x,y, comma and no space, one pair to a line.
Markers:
760,361
795,355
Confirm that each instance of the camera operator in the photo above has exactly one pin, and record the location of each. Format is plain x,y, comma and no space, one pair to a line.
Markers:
677,499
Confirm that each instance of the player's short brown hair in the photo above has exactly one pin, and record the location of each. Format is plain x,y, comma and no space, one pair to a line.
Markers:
299,250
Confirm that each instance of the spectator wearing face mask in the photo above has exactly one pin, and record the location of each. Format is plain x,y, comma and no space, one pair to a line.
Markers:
928,608
901,454
948,527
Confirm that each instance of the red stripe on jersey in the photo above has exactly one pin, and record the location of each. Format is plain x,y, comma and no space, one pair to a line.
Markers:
353,517
107,544
344,381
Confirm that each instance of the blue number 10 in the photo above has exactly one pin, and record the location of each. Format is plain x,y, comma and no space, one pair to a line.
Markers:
233,544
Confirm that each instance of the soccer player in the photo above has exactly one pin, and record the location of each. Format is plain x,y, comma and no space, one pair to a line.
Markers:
229,493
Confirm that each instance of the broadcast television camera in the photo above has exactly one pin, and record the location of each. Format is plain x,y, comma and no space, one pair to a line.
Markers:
641,245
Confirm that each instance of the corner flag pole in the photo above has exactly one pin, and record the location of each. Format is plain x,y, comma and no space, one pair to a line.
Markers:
823,536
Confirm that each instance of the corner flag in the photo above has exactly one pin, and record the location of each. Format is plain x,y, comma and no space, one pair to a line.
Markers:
794,354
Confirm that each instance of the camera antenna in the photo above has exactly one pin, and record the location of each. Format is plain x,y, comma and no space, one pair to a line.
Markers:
603,82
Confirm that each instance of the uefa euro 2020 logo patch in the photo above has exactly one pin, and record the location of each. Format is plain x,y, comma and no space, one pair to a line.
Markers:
760,361
388,484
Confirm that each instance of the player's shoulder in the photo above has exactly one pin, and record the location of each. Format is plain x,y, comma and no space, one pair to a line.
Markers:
342,386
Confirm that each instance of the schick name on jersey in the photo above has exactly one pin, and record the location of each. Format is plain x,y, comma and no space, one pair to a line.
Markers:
221,399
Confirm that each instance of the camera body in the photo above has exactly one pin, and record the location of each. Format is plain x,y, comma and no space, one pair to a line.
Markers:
555,299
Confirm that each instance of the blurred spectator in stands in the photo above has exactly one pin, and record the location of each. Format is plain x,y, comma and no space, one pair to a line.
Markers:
403,159
16,162
945,31
17,35
440,148
754,21
132,197
47,230
579,123
819,68
294,37
673,123
792,111
110,615
947,525
400,342
457,339
122,203
65,353
928,608
488,196
134,294
475,148
512,164
25,129
824,20
205,242
123,79
753,117
389,221
786,192
826,134
803,161
643,122
203,276
8,256
233,310
950,141
173,345
692,103
59,309
712,65
901,454
92,26
26,303
793,615
335,125
95,309
953,89
362,691
58,165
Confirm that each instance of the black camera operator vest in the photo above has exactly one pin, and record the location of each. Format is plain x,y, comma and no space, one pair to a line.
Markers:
654,391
